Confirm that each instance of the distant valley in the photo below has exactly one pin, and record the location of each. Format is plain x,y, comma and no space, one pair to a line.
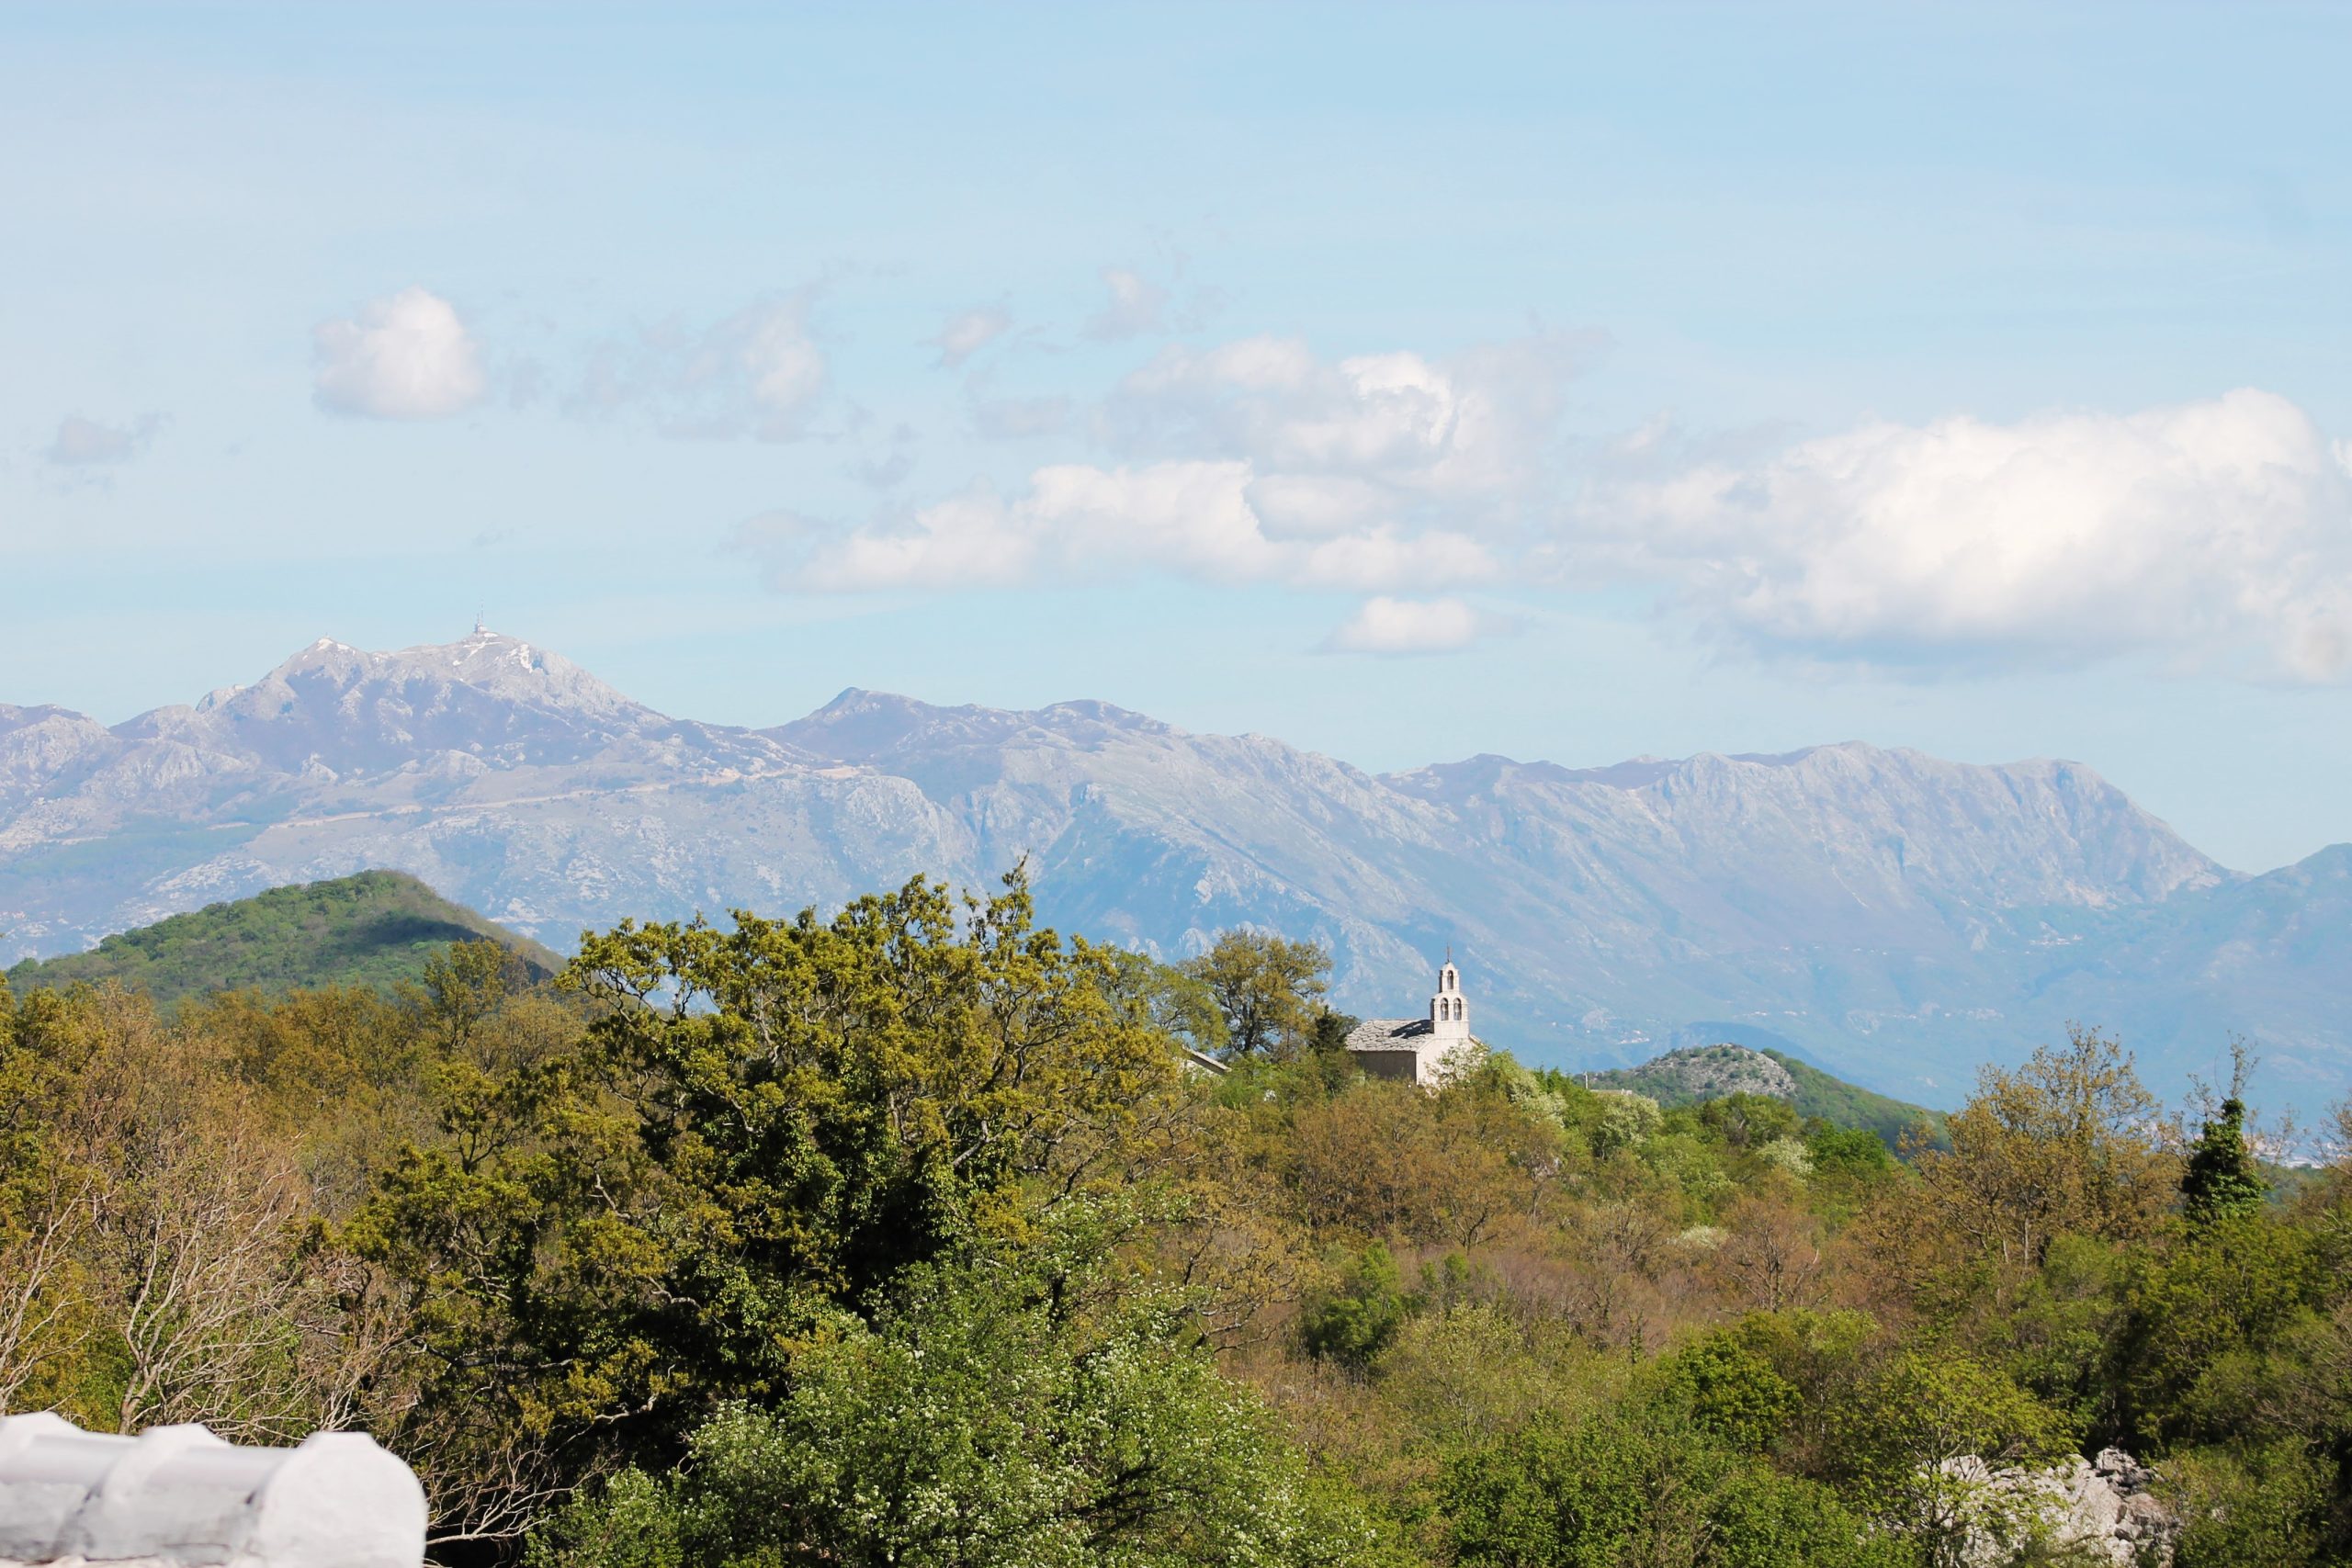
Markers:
1894,917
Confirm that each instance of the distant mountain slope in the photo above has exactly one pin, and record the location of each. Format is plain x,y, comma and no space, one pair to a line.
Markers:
375,929
1699,1073
1896,918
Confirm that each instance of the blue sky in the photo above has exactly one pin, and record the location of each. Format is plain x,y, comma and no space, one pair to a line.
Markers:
1406,382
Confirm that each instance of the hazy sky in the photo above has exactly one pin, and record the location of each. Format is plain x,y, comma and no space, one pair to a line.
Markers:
1406,382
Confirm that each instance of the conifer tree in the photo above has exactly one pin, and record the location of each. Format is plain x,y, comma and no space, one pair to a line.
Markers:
2221,1180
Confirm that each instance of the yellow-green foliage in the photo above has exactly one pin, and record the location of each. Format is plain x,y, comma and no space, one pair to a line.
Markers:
908,1236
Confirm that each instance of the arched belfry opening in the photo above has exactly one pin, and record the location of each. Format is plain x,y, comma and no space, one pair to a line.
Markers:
1449,1011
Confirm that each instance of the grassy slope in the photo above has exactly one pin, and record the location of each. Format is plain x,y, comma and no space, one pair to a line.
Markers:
375,929
1836,1102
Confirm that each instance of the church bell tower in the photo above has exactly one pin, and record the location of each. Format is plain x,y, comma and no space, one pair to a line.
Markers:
1449,1014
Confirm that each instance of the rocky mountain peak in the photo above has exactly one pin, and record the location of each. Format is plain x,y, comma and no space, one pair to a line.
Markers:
872,727
350,709
506,668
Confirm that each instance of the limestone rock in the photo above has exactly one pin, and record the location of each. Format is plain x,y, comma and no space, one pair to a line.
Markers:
178,1497
2103,1507
1704,1072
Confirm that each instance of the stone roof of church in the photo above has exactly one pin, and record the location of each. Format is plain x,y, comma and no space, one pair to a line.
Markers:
1388,1034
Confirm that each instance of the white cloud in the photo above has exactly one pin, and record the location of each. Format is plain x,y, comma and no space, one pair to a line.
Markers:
1402,626
1257,461
1317,505
758,373
1079,522
966,334
1474,430
1273,398
86,443
2212,535
1135,305
407,356
2204,532
967,541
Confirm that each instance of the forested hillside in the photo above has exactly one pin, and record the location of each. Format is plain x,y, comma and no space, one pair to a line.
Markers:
1699,1073
379,927
909,1236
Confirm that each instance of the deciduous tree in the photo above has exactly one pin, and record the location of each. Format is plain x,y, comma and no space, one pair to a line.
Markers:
1266,987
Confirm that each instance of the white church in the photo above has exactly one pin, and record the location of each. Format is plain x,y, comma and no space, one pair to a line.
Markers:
1427,1050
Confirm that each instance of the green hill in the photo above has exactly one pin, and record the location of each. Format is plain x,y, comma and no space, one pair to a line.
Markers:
1710,1072
375,929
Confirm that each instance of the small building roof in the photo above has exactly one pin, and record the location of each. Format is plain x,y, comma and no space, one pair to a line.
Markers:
1388,1034
1197,1062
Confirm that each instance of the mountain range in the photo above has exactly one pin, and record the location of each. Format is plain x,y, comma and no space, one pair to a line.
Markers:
1895,918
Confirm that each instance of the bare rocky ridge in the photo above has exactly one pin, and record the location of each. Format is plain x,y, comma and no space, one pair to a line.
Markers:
1709,1072
1894,916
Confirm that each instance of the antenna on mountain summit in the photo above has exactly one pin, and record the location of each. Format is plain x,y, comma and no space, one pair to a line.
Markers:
479,629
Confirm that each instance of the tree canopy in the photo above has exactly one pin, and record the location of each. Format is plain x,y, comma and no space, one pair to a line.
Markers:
909,1232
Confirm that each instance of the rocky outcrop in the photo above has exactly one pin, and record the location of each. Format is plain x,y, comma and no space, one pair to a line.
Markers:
1703,1072
2102,1509
180,1497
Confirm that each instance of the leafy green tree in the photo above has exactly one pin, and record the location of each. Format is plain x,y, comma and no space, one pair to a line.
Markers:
1733,1394
1855,1153
2059,1338
49,1180
462,988
2262,1507
2200,1322
1627,1120
1748,1120
1266,987
1896,1441
1467,1374
2069,1144
1179,1003
763,1124
1820,1355
1641,1486
1352,1324
992,1419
